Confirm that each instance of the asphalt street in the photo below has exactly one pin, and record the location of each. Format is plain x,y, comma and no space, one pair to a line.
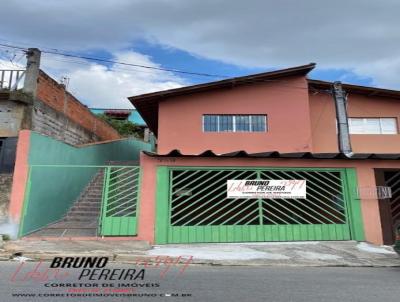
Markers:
199,283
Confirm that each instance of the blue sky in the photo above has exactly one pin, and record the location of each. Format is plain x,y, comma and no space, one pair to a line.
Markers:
357,43
169,57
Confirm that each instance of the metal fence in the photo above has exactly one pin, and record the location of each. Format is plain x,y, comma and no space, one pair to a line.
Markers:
192,206
11,79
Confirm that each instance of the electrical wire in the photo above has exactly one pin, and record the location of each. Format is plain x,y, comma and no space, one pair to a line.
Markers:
63,53
69,59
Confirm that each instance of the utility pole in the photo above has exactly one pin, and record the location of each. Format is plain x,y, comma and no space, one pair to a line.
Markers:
32,71
342,120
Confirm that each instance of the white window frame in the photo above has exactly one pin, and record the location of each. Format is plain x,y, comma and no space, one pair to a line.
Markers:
364,122
234,123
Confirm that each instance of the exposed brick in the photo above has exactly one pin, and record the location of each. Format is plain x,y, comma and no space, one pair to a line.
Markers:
54,95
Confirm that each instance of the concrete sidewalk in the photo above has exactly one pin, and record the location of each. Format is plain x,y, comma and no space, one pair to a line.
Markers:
323,253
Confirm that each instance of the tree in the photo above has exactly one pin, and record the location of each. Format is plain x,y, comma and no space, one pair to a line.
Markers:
124,127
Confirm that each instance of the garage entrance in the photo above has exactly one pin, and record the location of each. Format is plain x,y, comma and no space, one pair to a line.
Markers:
192,206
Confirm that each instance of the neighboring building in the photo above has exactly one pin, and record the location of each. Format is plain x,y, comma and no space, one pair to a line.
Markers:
31,100
131,115
274,125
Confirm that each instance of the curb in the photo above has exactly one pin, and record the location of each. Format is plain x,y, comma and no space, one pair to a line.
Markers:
142,259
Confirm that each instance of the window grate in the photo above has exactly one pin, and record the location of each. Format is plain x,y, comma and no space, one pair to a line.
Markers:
234,123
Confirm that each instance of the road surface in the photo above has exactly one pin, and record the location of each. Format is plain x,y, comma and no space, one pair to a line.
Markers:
200,283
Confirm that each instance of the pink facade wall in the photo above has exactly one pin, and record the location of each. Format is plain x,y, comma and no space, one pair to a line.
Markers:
323,121
20,176
298,121
285,102
364,168
364,106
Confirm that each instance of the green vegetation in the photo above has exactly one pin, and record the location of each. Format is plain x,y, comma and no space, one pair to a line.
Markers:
124,127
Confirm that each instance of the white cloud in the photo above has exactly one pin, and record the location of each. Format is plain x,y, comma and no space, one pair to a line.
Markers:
384,72
109,86
101,86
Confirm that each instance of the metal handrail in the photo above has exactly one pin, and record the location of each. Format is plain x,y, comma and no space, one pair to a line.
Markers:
11,78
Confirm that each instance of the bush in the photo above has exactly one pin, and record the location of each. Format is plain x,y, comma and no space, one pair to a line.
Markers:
6,237
124,127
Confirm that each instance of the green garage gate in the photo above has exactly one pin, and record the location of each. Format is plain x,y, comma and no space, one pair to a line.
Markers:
192,206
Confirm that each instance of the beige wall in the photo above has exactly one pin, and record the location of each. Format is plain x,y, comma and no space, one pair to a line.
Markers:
11,117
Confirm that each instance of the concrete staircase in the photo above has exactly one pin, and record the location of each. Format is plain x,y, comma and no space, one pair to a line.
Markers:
82,219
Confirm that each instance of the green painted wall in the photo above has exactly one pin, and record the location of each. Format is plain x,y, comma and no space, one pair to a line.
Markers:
47,151
59,172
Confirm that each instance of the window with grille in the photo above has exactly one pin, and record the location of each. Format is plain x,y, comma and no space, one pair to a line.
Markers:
234,123
383,125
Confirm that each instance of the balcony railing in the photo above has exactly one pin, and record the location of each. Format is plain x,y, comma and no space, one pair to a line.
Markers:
11,79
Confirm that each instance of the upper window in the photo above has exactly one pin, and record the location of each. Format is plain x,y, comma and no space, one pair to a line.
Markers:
234,123
383,125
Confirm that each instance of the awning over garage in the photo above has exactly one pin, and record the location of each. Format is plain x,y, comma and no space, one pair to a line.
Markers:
276,154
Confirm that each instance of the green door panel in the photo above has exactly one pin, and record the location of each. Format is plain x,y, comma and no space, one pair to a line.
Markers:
120,201
192,206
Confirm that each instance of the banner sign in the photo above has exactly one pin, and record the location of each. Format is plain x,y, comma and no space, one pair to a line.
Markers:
270,188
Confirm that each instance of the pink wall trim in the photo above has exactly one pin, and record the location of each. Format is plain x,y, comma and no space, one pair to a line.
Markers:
370,207
20,176
365,173
146,211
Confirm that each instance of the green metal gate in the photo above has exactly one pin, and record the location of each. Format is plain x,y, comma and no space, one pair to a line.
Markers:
120,201
192,206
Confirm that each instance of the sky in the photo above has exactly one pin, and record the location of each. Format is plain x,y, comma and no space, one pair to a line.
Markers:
353,41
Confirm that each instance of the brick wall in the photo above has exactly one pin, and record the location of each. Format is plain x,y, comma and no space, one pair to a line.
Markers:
54,95
48,121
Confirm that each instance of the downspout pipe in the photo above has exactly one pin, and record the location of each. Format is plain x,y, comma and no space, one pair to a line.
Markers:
340,99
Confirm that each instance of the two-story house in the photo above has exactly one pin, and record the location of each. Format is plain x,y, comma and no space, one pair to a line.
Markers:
342,141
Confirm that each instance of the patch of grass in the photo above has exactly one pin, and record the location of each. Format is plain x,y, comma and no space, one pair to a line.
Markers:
6,237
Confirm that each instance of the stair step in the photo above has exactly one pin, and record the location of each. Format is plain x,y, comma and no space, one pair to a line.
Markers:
80,212
85,232
91,205
81,219
87,215
73,224
87,205
95,192
90,199
91,193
